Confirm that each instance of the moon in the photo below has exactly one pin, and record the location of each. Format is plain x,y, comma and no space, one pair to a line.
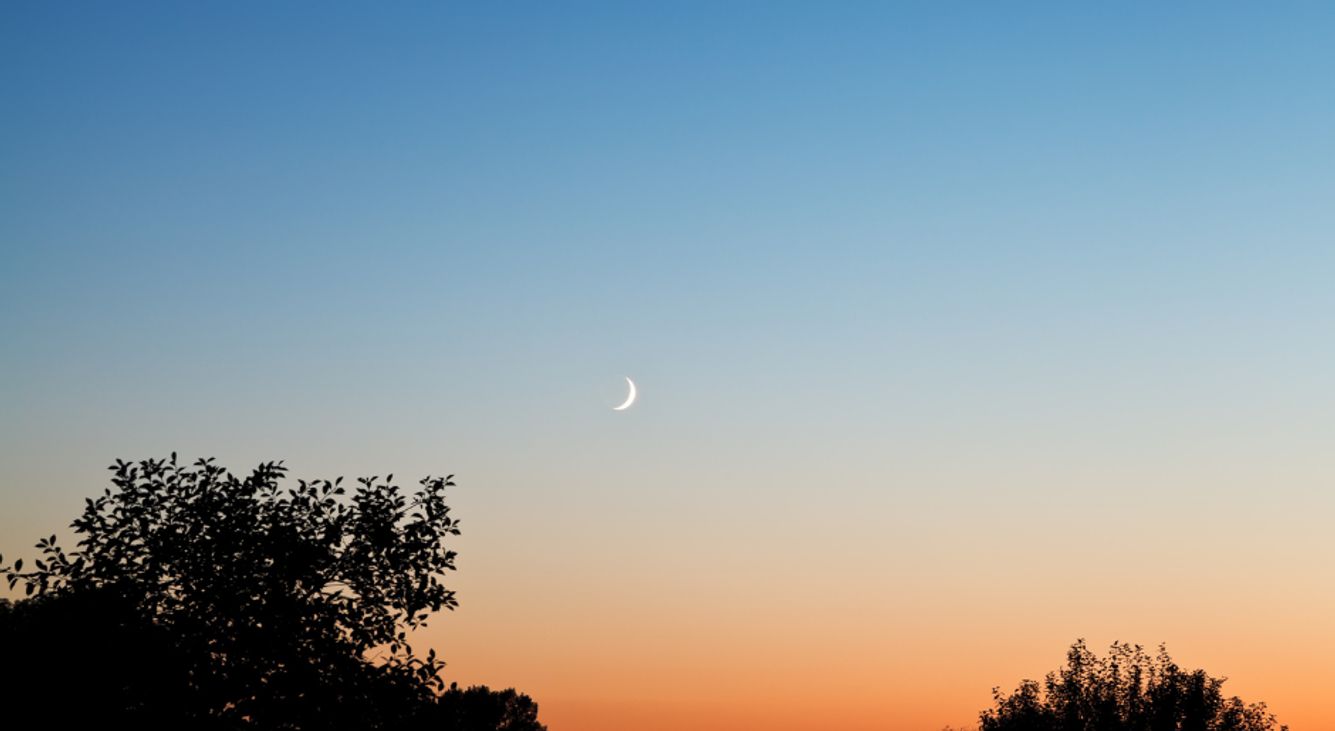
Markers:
630,398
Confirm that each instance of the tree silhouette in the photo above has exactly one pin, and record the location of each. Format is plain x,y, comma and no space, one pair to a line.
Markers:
205,599
1127,690
481,708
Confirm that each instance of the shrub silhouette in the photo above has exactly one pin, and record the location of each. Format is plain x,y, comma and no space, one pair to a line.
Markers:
80,659
481,708
1127,690
200,599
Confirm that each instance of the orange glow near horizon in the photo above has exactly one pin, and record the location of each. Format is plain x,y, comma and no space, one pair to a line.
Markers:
666,642
688,608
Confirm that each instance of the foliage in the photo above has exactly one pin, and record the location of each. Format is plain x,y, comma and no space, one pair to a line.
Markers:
79,658
481,708
1128,690
262,607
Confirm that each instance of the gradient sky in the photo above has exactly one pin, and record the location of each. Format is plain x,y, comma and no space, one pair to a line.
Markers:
962,329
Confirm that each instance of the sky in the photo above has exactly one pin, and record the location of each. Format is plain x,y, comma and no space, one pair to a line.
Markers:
962,330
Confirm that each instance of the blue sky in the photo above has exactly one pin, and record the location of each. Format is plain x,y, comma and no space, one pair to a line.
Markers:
767,205
754,188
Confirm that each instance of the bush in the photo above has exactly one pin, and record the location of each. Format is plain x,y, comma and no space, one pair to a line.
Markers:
1127,690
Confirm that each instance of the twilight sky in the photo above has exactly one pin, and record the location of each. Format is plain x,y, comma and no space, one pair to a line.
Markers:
961,330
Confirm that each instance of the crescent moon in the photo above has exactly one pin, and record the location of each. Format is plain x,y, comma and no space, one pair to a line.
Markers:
630,399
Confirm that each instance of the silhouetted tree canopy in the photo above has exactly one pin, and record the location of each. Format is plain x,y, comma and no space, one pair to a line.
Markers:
1128,690
479,707
199,599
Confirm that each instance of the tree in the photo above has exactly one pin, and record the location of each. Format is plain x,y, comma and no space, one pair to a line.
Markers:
1127,690
479,707
261,607
79,659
